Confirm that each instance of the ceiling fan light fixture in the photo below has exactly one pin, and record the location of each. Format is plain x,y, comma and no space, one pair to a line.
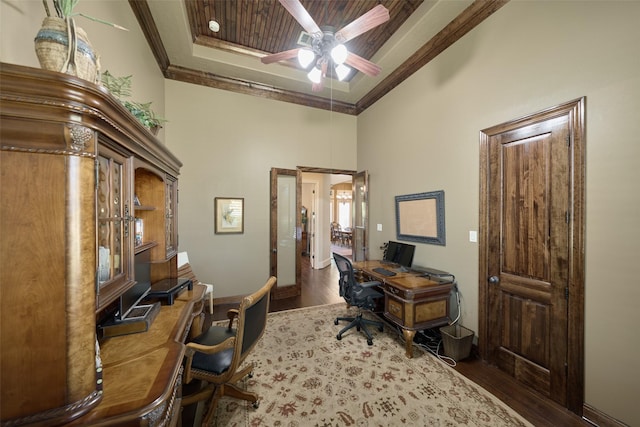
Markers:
315,75
339,54
342,71
305,57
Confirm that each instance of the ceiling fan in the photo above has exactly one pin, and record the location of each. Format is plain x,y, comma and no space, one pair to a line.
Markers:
327,45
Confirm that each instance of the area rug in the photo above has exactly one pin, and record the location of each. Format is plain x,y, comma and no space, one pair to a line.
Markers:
306,377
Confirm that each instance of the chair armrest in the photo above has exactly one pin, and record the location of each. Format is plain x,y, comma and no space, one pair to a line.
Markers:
369,284
209,349
232,313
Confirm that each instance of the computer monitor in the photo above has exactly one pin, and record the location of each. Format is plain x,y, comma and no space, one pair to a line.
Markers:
132,297
391,251
405,255
399,253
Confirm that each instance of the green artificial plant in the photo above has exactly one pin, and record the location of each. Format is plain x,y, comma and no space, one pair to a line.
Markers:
120,87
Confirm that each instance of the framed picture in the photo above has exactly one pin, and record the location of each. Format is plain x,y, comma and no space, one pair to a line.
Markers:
420,218
229,215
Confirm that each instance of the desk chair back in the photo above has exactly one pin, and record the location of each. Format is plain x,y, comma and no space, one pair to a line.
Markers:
216,355
360,294
357,294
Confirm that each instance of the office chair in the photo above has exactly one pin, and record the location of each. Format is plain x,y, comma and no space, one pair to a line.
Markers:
216,355
359,294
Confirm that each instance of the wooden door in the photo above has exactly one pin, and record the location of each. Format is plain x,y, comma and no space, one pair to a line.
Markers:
531,232
286,231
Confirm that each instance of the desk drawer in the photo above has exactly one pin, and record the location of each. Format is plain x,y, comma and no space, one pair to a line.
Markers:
416,314
394,309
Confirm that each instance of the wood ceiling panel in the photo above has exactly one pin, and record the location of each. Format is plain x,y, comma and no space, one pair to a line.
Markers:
271,29
266,26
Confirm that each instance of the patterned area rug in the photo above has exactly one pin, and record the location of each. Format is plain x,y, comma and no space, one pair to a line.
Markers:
306,377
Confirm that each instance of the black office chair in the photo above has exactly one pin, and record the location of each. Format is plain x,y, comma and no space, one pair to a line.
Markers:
359,294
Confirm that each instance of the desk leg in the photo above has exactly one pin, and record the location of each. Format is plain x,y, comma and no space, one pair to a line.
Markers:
408,338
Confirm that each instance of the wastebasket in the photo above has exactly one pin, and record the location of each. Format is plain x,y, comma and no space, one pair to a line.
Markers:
457,341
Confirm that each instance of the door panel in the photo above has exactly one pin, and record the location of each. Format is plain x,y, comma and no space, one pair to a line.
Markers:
529,169
360,216
532,252
286,231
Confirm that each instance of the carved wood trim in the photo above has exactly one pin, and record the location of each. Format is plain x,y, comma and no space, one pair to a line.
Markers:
51,97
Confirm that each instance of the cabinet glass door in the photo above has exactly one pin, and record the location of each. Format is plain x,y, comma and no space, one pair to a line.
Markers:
171,201
113,213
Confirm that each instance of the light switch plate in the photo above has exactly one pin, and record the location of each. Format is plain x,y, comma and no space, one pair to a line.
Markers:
473,236
379,228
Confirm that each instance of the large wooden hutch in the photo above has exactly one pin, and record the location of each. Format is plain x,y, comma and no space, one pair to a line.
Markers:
77,170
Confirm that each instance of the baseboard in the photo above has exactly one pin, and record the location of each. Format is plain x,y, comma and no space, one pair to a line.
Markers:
599,418
320,264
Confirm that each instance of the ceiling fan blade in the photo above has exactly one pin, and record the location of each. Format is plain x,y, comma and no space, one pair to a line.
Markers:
363,65
376,16
297,10
280,56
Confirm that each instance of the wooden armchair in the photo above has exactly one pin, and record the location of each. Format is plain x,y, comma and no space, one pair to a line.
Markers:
216,355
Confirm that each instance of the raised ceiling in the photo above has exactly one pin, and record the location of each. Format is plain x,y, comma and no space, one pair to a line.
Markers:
187,50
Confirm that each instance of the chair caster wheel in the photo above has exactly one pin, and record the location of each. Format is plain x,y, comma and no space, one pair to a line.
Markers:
335,322
256,404
370,342
339,337
358,328
380,328
250,374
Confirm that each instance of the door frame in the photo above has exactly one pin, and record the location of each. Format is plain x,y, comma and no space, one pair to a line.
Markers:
311,219
296,289
575,110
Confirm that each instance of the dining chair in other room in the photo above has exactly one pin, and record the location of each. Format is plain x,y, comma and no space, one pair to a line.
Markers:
363,295
335,232
215,356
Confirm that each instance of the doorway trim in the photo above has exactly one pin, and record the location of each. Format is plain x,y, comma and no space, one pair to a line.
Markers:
575,110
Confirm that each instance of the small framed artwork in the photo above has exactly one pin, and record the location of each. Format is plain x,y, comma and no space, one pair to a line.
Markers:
229,215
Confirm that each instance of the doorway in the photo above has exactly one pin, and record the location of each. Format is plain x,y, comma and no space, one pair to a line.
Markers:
531,259
341,214
287,246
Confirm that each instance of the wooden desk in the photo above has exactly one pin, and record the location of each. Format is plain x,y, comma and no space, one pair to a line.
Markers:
142,373
411,301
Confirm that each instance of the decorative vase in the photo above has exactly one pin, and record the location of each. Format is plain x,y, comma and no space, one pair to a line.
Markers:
63,47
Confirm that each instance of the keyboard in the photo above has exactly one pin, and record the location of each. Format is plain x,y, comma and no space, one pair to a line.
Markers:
384,271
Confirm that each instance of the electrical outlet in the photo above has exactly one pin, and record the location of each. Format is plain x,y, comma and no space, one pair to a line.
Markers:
473,236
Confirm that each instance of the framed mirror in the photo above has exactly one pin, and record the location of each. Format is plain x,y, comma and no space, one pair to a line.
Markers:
420,217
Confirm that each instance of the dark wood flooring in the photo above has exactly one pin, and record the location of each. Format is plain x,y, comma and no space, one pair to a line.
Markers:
321,287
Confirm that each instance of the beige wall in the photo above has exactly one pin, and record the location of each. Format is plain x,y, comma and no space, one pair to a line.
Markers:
527,57
422,136
123,53
228,143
